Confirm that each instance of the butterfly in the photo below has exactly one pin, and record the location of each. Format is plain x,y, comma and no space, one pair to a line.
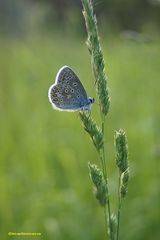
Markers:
68,93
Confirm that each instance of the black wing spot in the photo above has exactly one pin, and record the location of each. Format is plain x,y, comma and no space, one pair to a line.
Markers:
53,94
66,90
78,96
74,84
72,90
55,99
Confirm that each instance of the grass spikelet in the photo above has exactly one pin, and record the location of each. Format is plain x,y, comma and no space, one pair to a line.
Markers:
124,183
121,150
94,131
121,146
100,176
98,64
99,182
114,226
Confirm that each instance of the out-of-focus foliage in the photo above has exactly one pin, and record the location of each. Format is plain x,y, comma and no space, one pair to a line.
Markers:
65,14
44,182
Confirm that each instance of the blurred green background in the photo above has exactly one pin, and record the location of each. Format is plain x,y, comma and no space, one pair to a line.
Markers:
44,182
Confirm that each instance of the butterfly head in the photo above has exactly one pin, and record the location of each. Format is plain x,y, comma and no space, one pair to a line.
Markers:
91,100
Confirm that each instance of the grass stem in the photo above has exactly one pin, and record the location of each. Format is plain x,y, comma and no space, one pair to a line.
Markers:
119,207
97,134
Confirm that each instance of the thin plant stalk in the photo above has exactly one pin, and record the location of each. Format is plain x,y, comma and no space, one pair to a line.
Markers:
119,207
98,67
107,206
122,164
104,168
100,177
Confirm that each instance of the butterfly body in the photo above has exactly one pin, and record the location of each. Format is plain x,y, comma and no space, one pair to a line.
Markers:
68,93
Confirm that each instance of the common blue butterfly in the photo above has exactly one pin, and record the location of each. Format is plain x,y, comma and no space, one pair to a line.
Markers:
68,93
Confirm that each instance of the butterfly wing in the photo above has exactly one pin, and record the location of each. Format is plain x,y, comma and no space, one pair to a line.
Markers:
66,76
68,92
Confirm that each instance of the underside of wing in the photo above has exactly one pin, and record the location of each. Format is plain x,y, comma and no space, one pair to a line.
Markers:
67,76
64,99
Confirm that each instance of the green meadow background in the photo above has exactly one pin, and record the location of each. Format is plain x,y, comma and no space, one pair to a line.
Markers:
44,181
